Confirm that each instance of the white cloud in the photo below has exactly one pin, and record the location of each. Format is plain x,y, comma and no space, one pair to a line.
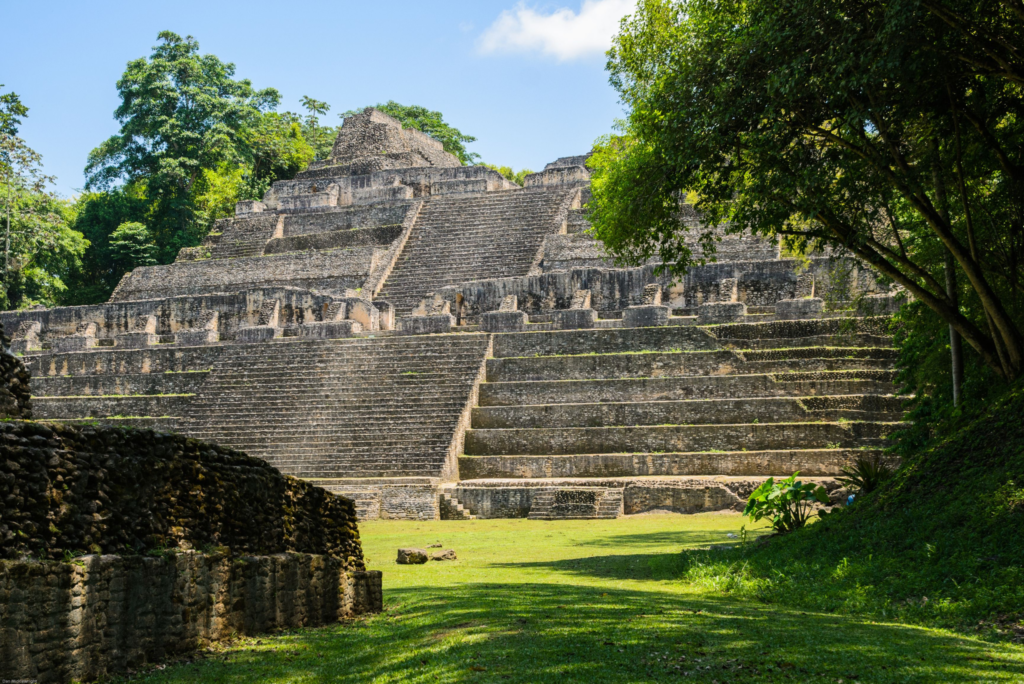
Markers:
562,34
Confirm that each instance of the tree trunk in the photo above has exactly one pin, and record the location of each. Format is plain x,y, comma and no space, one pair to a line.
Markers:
7,245
956,347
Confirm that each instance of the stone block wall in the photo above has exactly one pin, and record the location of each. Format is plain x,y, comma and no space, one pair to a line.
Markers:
99,615
330,271
348,218
758,283
175,314
380,236
15,395
94,489
409,502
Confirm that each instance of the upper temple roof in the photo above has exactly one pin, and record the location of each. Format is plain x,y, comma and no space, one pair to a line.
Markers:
373,141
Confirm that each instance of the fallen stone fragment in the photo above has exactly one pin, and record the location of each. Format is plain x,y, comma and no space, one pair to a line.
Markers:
435,546
411,556
447,554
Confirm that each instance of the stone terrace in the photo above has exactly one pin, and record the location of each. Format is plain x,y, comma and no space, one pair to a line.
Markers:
434,341
683,418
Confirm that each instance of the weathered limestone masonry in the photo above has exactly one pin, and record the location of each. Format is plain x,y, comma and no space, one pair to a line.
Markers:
433,341
103,614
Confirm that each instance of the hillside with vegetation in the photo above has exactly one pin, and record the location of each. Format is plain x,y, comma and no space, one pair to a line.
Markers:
941,543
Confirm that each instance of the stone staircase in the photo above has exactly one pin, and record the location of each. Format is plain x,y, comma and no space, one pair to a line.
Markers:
648,411
576,503
451,509
243,236
470,237
355,408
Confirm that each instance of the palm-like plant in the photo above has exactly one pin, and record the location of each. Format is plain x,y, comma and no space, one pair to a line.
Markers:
867,474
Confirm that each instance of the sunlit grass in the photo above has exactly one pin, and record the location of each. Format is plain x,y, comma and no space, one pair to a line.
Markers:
586,601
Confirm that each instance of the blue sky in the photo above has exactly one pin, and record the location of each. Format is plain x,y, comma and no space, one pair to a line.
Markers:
527,79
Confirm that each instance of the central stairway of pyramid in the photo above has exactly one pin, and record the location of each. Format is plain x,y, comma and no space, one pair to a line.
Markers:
434,341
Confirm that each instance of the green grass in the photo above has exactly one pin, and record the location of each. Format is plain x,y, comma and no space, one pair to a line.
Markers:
592,602
942,544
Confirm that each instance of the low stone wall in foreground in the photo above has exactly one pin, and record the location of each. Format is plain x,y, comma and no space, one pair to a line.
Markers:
99,615
94,489
210,543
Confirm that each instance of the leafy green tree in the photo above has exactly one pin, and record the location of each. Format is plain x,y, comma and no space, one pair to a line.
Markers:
40,249
430,122
131,246
506,171
181,114
320,137
891,130
11,111
275,148
97,216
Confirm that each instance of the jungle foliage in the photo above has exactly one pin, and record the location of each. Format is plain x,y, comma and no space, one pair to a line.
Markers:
938,542
39,249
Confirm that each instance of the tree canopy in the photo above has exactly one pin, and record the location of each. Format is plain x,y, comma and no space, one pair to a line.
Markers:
506,171
11,112
193,141
891,130
39,249
181,114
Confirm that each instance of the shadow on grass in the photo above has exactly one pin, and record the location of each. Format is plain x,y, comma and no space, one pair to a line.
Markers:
676,538
536,632
636,566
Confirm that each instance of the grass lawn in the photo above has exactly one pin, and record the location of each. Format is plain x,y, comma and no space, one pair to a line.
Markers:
586,601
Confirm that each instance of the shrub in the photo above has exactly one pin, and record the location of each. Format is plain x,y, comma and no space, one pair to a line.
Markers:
787,503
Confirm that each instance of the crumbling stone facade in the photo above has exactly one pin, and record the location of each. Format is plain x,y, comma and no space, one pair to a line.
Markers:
434,341
100,615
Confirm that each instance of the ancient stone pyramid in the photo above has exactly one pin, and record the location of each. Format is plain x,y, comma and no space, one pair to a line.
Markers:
433,340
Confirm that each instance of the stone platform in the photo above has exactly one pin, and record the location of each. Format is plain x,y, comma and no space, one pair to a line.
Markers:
434,341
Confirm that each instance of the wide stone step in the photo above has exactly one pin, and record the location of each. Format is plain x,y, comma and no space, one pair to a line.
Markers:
280,437
668,364
282,433
841,340
794,353
327,467
385,390
604,341
162,424
335,408
736,332
680,388
408,373
690,412
129,383
127,361
674,438
110,406
784,462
